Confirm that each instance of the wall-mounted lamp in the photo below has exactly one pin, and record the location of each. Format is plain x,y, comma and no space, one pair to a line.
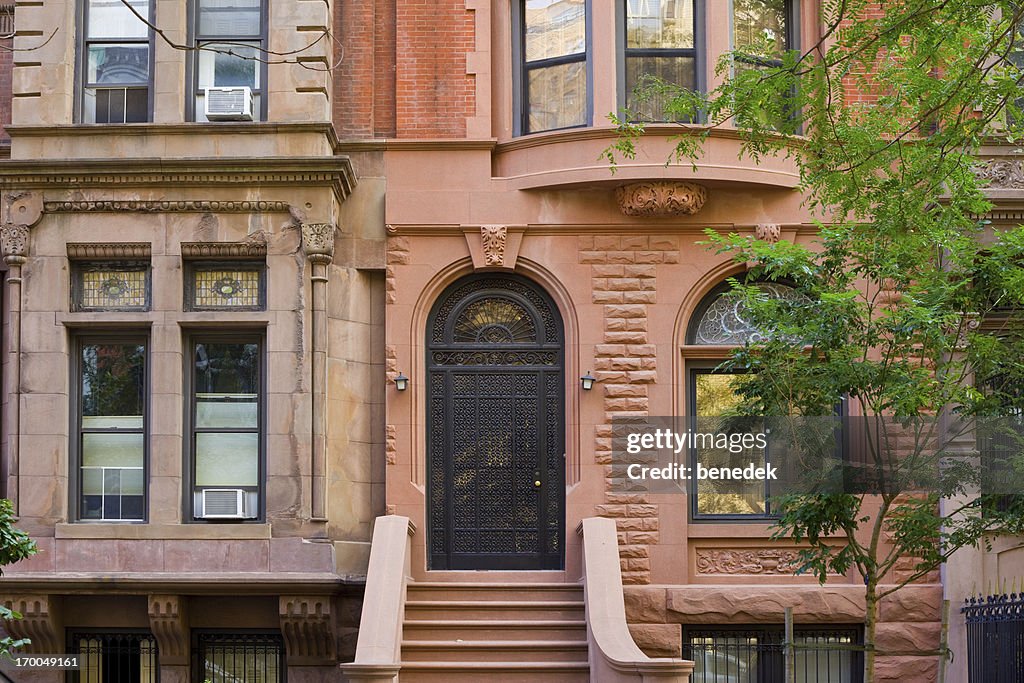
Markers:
401,382
587,381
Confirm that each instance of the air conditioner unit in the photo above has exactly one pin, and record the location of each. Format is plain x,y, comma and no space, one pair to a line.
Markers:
225,504
229,104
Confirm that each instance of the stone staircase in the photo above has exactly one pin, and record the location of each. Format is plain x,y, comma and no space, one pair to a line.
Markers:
494,632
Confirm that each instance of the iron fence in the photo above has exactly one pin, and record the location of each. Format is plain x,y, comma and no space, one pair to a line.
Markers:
995,638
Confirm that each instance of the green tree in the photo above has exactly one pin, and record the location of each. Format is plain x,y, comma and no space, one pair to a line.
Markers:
910,301
15,545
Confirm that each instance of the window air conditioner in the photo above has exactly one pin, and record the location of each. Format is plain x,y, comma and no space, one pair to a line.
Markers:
229,104
224,504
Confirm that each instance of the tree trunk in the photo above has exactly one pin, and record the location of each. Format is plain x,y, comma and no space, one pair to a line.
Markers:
870,621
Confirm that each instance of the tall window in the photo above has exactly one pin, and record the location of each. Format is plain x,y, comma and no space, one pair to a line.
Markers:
660,43
116,62
554,64
127,657
110,428
231,41
226,423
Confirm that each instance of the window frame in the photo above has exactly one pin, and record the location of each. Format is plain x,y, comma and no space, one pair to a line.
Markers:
521,71
623,53
792,34
77,293
245,336
192,63
198,651
82,65
79,341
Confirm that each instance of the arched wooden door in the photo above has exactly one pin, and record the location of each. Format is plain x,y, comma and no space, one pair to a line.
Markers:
495,427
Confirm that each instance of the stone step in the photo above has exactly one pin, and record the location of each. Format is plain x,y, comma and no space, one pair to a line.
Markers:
494,650
495,672
495,591
463,610
494,629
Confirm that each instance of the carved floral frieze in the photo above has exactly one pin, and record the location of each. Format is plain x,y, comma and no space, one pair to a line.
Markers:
108,250
661,198
1001,174
748,561
164,206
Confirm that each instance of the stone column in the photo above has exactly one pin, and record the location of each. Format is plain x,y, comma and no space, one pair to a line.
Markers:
318,245
14,244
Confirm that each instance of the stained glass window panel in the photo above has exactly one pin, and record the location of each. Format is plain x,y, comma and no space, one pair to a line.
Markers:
227,288
111,288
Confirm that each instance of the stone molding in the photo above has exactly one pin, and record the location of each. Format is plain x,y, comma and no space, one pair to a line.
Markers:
168,620
494,238
165,206
318,241
40,621
748,561
768,232
1001,173
308,629
251,248
82,251
661,198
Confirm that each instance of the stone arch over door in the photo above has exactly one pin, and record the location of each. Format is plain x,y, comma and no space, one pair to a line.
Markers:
495,426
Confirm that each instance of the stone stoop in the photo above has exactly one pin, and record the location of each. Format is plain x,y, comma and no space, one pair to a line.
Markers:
494,632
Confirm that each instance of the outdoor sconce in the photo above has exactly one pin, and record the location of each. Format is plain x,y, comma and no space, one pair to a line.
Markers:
401,382
587,381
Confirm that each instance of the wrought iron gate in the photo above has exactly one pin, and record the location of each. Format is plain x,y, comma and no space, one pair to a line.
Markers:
495,432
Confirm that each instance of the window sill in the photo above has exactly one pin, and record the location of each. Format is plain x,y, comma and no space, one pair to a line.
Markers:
129,530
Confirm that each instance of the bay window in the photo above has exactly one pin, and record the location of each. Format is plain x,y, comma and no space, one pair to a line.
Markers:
554,82
660,42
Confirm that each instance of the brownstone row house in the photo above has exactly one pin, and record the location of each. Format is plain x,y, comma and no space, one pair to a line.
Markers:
352,259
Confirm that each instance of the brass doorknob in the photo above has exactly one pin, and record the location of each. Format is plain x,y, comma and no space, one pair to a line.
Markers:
536,483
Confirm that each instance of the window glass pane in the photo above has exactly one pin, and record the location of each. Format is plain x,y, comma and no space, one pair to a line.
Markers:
229,18
673,70
214,288
111,287
125,63
227,459
111,19
227,410
112,450
216,68
557,96
659,23
112,380
554,28
227,368
759,27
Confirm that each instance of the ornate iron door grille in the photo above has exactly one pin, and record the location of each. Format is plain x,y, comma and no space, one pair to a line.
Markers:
495,429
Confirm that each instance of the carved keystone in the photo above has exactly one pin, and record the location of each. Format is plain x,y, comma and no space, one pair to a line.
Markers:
308,629
661,198
168,620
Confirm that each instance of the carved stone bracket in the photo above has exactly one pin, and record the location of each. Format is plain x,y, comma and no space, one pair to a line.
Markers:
109,250
748,561
14,242
318,241
661,198
40,622
308,629
168,619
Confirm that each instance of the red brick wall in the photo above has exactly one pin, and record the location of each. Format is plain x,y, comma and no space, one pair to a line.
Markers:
433,93
364,80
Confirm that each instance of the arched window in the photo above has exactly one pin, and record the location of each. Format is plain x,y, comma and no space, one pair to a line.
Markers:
722,320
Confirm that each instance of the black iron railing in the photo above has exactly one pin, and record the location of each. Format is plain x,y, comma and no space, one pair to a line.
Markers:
995,638
758,654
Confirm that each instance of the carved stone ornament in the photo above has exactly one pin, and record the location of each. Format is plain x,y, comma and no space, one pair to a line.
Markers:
101,251
661,198
164,206
306,625
1001,174
748,561
40,622
169,623
494,238
768,232
249,248
14,240
318,240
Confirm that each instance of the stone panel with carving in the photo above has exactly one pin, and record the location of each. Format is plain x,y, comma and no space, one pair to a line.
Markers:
661,198
748,561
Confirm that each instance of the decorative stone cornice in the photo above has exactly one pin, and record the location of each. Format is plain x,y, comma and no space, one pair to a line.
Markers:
318,241
1001,173
748,561
40,622
90,251
168,620
254,248
661,198
494,238
307,627
165,206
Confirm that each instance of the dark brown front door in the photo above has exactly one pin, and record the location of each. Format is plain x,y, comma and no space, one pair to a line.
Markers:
496,464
